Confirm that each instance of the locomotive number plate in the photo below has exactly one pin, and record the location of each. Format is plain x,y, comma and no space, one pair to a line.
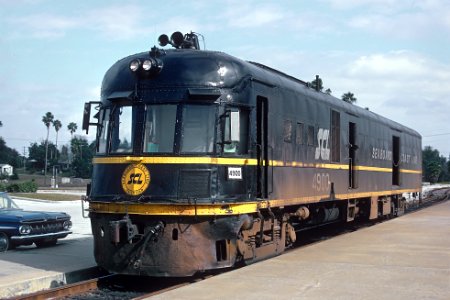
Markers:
234,173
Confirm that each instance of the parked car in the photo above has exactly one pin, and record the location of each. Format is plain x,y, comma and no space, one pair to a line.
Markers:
21,227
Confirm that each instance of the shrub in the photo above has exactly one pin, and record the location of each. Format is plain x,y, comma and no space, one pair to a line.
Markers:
24,187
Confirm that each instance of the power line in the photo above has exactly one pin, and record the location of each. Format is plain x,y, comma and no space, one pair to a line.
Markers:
439,134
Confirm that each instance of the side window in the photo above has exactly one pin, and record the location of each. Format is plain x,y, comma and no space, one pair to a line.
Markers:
287,131
121,130
299,134
235,131
102,132
310,135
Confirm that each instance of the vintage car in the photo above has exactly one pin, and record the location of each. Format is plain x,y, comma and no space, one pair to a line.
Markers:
21,227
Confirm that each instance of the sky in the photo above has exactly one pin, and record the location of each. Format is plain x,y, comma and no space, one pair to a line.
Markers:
392,55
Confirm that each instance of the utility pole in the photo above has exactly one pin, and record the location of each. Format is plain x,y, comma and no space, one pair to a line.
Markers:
24,158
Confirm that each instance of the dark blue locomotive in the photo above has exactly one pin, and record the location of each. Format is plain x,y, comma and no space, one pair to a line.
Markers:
204,160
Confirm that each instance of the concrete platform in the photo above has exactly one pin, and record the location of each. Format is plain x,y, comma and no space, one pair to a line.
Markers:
404,258
29,269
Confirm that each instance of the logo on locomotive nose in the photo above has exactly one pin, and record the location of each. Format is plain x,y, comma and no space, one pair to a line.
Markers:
135,179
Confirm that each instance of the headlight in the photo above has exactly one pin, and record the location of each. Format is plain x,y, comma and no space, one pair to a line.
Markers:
67,225
147,65
135,64
25,229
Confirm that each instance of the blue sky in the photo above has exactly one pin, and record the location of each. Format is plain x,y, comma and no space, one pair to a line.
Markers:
393,55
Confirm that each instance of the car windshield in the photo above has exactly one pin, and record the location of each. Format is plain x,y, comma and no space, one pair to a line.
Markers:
6,202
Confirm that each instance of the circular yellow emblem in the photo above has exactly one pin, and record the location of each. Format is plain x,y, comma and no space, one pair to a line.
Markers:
135,179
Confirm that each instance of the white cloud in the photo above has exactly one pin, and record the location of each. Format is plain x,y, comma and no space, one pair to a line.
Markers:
45,25
404,86
118,22
113,22
372,5
253,16
394,64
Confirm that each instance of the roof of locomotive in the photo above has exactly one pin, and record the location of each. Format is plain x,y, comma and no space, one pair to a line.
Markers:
188,68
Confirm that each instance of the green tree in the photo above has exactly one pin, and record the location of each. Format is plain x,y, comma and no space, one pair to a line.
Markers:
444,175
431,164
349,97
72,127
328,91
64,155
47,119
82,157
36,155
317,84
57,124
8,155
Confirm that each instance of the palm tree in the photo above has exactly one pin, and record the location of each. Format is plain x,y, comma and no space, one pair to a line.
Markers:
72,127
57,124
48,120
317,83
349,97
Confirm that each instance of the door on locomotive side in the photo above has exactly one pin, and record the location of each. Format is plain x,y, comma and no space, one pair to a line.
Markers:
235,144
262,153
352,150
395,160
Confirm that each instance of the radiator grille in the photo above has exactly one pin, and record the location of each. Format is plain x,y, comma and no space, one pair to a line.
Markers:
41,228
195,184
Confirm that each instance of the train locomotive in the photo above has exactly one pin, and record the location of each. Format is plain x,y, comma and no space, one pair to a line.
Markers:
205,161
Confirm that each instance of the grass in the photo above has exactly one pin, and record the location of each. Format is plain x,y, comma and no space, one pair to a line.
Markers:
48,196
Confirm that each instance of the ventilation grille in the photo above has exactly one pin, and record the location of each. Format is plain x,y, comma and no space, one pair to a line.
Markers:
195,184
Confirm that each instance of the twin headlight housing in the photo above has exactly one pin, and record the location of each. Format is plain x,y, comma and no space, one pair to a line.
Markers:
67,225
148,66
25,229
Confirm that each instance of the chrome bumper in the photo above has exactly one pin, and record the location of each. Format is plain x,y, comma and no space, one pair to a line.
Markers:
33,237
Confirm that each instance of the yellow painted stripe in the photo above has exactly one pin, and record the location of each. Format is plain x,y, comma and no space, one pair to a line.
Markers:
223,209
175,209
236,161
176,160
411,171
373,169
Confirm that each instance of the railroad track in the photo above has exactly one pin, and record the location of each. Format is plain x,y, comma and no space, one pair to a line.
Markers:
113,287
131,287
65,290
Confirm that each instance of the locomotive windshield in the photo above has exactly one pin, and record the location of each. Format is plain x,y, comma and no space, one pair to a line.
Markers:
159,133
198,128
166,128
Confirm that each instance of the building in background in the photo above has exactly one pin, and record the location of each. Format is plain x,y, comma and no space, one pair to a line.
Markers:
6,170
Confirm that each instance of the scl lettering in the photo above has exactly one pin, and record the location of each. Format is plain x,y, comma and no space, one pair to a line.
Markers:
323,149
133,179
